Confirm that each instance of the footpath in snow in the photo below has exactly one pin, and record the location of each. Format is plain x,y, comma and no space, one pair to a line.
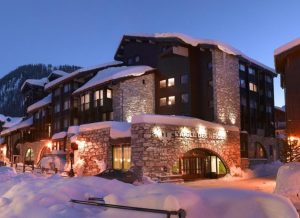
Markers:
30,196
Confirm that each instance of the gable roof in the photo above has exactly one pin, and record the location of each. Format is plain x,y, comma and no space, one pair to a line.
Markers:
113,73
79,72
35,82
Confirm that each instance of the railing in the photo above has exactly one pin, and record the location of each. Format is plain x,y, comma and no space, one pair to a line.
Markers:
20,167
101,203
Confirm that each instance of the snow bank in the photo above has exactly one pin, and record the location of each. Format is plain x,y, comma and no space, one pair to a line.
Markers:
260,170
178,120
43,102
52,162
113,73
288,182
27,196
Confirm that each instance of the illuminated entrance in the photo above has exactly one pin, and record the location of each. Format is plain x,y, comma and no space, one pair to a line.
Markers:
201,163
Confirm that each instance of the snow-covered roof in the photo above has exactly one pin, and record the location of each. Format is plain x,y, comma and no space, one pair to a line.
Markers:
287,46
41,103
179,120
10,121
36,82
78,72
59,73
26,123
195,42
113,73
59,135
117,129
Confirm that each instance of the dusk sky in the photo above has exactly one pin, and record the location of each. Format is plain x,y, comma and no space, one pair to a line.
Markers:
87,33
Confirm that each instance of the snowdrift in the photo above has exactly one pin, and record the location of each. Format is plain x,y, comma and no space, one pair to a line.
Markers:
27,196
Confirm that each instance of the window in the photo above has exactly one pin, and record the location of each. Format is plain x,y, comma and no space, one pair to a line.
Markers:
75,121
269,94
242,67
253,104
171,82
259,151
37,115
163,84
66,104
57,125
268,79
171,100
185,98
75,103
137,59
269,109
98,98
108,93
129,61
29,155
67,88
86,101
162,101
57,92
243,83
243,101
121,157
57,108
104,117
184,79
111,116
43,112
66,123
252,87
251,71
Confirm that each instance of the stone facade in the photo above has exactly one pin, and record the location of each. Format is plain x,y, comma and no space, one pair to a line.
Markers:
95,148
226,86
154,154
134,96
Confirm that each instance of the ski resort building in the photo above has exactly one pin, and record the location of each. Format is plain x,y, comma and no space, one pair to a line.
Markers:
168,105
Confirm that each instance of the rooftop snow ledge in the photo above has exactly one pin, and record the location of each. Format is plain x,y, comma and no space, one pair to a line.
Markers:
59,135
117,129
23,124
287,46
179,120
195,42
43,102
113,73
76,72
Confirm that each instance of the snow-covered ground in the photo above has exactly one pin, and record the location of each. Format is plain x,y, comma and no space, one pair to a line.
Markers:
27,195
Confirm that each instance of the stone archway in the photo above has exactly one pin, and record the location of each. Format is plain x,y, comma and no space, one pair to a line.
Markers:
202,163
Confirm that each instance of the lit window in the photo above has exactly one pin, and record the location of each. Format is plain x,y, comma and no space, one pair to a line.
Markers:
184,79
163,84
171,100
251,71
185,98
98,98
109,93
242,83
163,101
86,101
242,67
75,103
252,87
171,82
121,157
